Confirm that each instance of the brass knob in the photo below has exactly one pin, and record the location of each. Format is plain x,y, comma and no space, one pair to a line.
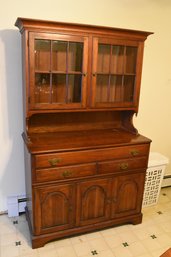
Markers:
108,200
70,208
66,173
114,200
134,152
54,161
124,166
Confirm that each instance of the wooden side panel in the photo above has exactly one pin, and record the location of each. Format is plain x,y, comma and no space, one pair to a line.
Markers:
28,184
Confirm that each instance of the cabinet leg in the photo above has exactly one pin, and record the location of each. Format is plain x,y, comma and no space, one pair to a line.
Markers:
137,220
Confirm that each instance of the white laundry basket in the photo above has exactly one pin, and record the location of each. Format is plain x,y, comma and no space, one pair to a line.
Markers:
154,176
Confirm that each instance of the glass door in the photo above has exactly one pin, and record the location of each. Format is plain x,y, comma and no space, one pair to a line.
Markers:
114,73
58,69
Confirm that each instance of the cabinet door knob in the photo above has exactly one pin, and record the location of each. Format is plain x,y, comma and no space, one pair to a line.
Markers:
108,201
124,166
66,173
114,200
54,161
134,152
70,208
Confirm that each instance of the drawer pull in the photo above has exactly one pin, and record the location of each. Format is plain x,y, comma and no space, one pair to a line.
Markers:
134,152
66,173
54,161
124,166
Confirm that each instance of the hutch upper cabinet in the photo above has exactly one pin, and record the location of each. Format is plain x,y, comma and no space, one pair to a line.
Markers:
85,161
73,66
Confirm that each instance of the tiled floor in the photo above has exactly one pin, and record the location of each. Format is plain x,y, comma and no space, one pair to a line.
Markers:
149,239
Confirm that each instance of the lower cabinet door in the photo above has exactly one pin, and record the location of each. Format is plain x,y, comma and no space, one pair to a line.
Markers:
127,194
93,201
54,208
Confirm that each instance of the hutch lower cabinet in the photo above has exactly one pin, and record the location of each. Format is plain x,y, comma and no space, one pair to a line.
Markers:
85,162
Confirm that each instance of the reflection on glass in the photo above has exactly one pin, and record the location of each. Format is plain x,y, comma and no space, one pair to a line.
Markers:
42,55
58,88
130,60
117,59
74,88
66,88
42,88
102,88
116,89
75,56
103,61
59,56
129,82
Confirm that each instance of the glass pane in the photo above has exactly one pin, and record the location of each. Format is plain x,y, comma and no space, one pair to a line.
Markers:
74,88
117,59
102,88
116,94
129,82
42,88
59,56
130,60
42,55
75,56
58,88
103,62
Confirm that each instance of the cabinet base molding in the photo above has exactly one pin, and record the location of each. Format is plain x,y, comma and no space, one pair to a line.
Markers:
41,240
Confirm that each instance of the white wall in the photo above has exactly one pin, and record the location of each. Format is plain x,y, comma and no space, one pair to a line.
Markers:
154,119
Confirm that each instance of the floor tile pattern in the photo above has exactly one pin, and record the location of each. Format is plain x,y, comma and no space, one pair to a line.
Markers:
151,238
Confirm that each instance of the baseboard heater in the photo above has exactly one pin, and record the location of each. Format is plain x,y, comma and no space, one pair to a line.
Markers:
166,181
16,204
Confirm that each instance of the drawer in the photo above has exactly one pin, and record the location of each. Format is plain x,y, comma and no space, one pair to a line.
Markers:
67,172
69,158
122,165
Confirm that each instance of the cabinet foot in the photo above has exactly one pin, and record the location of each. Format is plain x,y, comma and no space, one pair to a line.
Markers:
137,220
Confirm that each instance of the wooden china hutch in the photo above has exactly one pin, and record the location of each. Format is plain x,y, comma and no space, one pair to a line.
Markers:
85,161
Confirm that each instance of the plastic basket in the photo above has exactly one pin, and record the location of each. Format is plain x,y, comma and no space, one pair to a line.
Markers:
154,177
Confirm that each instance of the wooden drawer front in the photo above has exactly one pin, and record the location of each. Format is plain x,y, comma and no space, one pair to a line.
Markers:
65,172
122,165
61,159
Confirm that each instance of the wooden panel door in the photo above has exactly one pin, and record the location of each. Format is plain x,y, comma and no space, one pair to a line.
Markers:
54,208
93,201
127,194
58,71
